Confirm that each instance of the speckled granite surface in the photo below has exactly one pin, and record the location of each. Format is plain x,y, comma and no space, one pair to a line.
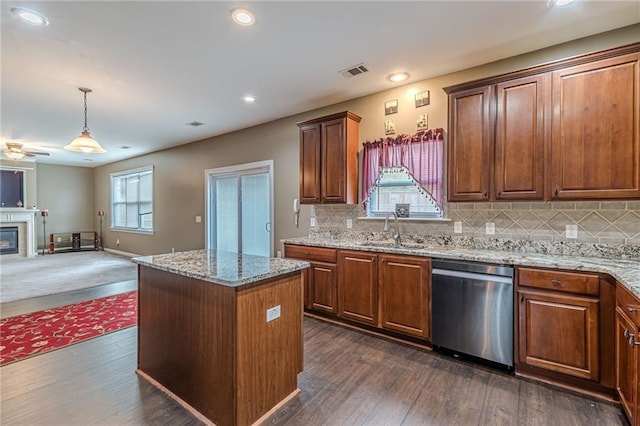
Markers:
220,267
626,271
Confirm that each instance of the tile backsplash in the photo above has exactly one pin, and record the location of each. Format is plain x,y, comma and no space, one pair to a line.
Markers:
601,222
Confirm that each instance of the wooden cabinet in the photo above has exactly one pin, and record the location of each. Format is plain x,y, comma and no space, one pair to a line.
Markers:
500,162
404,294
520,136
564,130
358,286
627,358
559,330
595,150
329,159
321,277
470,141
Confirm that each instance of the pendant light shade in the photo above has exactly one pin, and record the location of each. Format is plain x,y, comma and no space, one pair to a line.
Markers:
85,143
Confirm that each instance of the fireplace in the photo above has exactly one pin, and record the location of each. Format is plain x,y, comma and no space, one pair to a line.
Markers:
9,240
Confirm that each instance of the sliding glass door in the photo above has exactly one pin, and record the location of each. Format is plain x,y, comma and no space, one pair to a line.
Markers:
240,208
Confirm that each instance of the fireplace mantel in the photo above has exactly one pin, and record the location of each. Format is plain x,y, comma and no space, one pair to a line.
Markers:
25,219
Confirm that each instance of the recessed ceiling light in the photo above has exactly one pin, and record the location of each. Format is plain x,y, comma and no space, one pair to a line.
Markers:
125,147
552,3
88,160
30,16
242,16
397,77
249,99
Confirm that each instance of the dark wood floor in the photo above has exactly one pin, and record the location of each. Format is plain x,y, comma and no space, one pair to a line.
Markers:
350,379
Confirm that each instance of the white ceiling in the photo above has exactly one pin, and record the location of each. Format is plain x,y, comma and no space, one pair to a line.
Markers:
156,65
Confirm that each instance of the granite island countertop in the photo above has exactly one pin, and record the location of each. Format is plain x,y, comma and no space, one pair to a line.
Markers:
221,267
627,272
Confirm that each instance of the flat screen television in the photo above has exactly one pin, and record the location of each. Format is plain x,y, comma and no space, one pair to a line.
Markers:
11,188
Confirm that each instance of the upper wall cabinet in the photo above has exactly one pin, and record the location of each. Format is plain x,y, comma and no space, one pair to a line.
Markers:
564,130
595,150
329,159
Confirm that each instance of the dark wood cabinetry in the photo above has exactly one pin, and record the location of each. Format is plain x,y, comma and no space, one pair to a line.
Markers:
595,150
329,159
358,286
321,277
564,130
404,294
470,141
627,358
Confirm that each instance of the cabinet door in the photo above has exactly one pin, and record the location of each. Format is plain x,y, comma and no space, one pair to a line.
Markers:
520,139
470,137
404,294
334,161
595,150
310,164
358,287
559,332
626,365
322,287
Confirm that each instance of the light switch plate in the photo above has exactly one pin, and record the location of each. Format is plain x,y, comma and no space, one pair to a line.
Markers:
349,223
313,221
198,219
571,231
273,313
490,228
457,227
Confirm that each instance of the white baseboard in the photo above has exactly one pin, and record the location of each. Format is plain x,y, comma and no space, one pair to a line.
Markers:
122,253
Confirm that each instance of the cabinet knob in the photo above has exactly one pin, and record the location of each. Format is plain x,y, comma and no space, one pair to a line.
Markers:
556,283
555,192
485,194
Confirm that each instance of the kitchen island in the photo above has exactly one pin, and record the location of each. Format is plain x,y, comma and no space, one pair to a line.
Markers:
221,332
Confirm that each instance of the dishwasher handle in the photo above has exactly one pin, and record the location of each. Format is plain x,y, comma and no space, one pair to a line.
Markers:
472,276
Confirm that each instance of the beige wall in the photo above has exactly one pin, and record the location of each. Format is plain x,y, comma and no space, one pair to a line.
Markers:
179,172
67,192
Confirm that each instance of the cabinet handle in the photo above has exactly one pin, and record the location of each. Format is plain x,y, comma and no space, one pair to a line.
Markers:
485,194
556,283
521,299
498,193
626,334
630,309
555,192
632,342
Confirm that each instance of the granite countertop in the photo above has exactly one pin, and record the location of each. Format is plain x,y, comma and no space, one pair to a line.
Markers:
221,267
627,272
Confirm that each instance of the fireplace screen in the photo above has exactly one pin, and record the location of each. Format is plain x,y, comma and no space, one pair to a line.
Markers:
8,240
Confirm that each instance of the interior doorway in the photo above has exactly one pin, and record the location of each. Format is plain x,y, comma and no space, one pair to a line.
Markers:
240,208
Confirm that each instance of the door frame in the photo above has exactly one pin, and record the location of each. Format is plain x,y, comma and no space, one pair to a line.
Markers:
209,173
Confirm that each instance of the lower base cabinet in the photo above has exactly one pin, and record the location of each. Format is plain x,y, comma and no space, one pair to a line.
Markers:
627,357
358,286
321,287
405,298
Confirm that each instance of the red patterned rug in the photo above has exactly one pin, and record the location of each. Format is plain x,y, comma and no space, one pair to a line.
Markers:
27,335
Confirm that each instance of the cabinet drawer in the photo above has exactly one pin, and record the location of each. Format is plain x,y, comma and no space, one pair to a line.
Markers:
629,304
569,282
310,253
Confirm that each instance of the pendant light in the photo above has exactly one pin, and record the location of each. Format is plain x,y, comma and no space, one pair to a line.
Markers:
85,143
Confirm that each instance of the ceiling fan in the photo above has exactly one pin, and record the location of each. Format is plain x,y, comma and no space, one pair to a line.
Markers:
15,152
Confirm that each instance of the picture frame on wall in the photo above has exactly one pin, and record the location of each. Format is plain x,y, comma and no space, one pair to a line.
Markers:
389,128
391,107
422,98
422,123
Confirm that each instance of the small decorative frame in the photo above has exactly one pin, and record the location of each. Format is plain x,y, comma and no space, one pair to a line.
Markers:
389,127
402,210
423,122
391,107
422,98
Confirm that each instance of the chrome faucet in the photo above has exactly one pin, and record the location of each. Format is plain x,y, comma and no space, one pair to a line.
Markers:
396,237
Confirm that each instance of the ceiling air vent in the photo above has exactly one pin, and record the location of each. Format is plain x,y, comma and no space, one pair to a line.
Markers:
195,124
353,71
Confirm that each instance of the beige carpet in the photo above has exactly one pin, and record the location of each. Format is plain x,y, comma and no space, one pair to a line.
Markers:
26,277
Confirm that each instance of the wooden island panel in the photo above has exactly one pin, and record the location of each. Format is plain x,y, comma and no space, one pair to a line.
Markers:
210,345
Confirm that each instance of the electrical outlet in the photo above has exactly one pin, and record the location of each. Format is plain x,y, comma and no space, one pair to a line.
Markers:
173,250
118,241
278,253
198,219
490,228
313,221
60,239
571,231
349,223
457,227
273,313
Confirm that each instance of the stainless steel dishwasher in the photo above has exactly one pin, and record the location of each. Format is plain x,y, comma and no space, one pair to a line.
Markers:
472,309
